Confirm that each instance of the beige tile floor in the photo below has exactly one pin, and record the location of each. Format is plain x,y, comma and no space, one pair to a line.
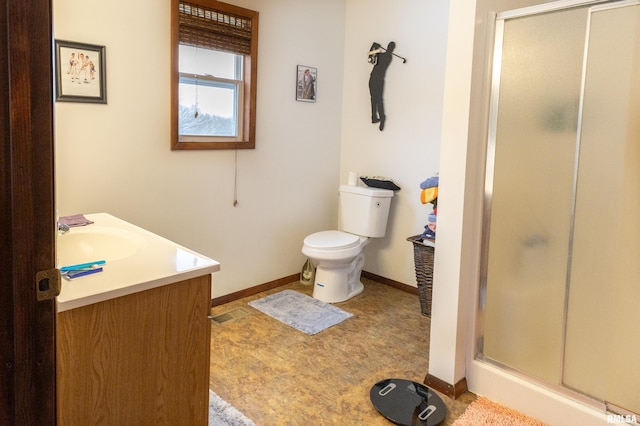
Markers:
277,375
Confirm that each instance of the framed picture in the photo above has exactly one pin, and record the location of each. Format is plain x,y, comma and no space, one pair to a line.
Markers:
306,83
80,72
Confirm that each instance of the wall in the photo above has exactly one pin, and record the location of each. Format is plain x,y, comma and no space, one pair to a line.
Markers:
115,158
450,304
408,148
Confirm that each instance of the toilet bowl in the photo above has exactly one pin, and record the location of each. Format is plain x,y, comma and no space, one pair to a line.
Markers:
339,255
339,258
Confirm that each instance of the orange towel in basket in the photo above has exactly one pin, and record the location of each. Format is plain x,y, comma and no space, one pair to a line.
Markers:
429,194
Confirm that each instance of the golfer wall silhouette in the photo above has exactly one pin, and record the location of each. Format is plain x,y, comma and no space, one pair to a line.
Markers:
381,59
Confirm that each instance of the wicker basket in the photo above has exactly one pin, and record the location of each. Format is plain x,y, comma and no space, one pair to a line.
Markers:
423,255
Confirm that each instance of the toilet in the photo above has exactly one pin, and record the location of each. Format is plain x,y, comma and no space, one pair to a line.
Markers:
339,255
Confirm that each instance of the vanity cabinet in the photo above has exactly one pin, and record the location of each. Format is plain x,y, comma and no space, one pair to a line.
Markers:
138,359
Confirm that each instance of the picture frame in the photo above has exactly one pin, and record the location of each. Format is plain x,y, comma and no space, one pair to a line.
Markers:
306,83
80,70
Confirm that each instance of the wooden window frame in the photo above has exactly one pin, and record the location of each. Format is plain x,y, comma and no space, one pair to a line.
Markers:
250,74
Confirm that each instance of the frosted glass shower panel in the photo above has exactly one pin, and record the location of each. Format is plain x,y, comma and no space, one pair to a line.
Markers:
531,195
604,293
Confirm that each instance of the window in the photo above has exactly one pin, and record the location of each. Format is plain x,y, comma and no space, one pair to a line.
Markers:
214,69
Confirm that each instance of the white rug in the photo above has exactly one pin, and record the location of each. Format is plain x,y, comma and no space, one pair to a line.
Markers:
221,413
300,311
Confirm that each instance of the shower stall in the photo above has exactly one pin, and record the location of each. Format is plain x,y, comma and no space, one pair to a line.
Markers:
560,277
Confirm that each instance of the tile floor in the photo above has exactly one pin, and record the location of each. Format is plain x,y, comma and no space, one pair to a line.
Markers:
277,375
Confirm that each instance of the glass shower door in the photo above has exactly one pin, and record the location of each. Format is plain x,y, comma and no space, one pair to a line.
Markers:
533,150
602,354
560,284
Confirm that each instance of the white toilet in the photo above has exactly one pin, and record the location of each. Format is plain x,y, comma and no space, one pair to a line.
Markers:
339,255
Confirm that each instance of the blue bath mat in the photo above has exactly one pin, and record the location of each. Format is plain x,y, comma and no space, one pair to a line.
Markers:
300,311
221,413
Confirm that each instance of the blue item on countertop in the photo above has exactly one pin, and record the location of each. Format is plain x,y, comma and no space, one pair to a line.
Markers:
81,266
76,273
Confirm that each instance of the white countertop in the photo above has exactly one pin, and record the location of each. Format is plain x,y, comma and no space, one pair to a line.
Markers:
136,260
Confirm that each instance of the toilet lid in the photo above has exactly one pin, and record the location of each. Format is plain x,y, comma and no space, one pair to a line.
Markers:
331,240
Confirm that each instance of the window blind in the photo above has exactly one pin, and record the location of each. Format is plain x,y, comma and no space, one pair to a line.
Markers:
206,27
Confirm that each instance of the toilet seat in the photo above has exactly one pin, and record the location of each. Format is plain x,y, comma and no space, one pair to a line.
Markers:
331,240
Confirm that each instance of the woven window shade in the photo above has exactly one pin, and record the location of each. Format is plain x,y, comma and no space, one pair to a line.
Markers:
212,29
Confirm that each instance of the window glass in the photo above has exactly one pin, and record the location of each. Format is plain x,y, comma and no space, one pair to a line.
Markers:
215,69
208,61
209,101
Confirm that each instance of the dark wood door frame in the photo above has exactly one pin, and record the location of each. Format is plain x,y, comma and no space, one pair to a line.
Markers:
27,234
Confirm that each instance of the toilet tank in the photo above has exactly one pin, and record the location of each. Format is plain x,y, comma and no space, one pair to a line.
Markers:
364,211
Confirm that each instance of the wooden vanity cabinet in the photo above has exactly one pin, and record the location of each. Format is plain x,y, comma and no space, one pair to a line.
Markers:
140,359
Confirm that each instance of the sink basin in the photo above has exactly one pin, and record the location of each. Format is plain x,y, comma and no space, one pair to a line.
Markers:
81,245
137,260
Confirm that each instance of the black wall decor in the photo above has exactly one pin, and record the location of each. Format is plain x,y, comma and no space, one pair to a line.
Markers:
381,59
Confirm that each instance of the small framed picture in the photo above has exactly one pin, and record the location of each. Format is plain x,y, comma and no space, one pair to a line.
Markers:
80,72
306,83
